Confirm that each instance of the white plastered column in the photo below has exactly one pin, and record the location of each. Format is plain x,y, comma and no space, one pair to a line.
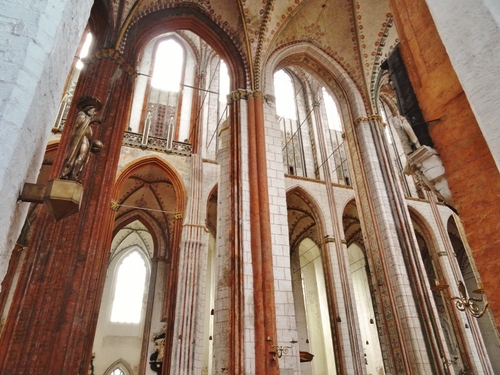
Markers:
39,41
286,326
187,351
233,257
396,273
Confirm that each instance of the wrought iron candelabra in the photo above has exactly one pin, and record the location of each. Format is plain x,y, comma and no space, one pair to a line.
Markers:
464,302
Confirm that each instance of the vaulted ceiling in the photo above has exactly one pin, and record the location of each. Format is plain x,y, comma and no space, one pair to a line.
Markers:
358,35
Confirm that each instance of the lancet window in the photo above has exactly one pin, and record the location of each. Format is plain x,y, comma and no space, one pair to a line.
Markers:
309,115
129,289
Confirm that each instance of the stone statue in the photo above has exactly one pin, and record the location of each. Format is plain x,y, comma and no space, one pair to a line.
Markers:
156,359
81,143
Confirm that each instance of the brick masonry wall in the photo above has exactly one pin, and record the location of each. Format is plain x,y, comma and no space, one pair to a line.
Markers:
476,65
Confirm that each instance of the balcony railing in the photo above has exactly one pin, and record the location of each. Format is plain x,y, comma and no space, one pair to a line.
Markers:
137,140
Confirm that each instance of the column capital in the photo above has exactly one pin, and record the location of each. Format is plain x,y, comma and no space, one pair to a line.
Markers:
237,95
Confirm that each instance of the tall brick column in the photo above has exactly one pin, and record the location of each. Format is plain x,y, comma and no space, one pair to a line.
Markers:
260,225
58,296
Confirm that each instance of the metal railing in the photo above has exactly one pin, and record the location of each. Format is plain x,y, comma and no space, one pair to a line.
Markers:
138,140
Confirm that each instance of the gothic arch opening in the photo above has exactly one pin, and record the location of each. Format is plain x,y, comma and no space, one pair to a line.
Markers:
486,323
363,290
445,323
311,289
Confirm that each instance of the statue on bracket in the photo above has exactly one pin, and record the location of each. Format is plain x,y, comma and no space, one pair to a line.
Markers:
81,143
156,359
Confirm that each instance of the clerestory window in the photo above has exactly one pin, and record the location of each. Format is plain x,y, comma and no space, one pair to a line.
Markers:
84,51
332,113
285,95
168,65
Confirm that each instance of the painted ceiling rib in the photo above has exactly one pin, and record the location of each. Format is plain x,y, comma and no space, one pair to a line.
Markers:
247,44
125,24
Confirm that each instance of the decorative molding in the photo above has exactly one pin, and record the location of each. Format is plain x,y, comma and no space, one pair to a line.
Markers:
237,95
112,54
305,178
359,120
223,130
330,239
367,119
197,226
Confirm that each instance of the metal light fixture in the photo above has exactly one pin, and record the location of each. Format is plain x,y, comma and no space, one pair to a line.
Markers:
464,302
279,350
469,304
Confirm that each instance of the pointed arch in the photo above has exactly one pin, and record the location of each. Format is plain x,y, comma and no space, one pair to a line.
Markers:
142,28
324,68
313,213
170,173
119,364
309,255
351,224
159,240
423,228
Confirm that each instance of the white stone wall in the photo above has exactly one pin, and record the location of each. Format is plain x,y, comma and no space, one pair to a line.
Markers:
38,40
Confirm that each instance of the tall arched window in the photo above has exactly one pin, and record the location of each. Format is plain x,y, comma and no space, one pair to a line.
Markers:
223,83
286,108
285,95
84,51
168,66
164,91
67,98
332,112
335,142
129,289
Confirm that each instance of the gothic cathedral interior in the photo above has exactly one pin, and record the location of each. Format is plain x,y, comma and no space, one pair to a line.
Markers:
254,187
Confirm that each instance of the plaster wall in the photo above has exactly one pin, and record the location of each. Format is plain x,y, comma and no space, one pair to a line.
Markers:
39,39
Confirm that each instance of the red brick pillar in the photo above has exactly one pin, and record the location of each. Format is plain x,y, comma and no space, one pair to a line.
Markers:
260,224
51,323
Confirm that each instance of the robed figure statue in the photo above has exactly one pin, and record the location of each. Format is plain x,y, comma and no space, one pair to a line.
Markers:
81,143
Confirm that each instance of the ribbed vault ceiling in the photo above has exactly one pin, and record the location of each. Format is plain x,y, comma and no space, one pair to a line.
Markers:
356,34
